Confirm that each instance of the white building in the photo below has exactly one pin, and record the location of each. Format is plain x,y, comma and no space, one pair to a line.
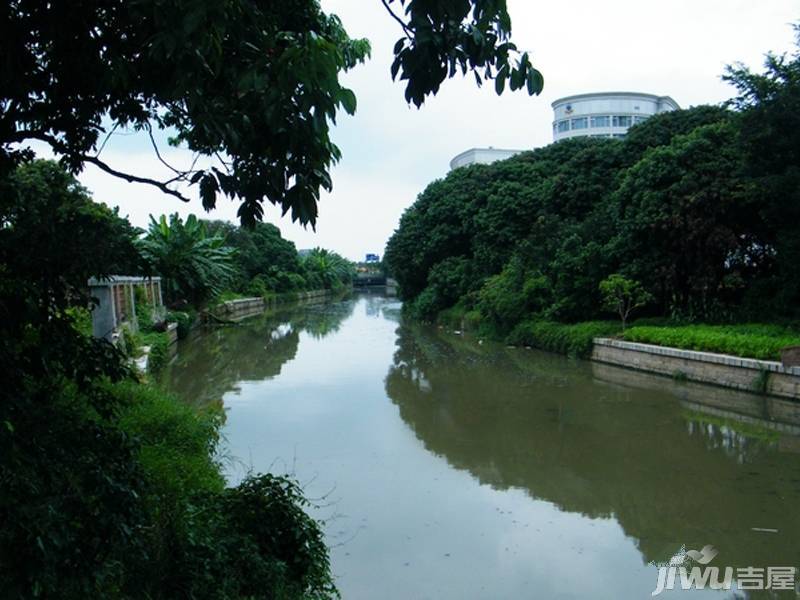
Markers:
607,114
482,156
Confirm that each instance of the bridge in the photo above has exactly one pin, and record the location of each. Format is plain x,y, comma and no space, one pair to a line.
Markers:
363,280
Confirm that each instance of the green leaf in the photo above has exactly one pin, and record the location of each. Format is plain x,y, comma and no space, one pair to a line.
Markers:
348,100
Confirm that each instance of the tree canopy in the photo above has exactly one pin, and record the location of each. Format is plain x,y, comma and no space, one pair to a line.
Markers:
695,205
253,85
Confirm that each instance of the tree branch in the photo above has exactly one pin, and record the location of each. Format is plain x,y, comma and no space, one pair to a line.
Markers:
405,27
158,154
134,178
61,148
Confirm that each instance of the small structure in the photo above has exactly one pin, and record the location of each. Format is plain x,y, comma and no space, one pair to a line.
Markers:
481,156
116,303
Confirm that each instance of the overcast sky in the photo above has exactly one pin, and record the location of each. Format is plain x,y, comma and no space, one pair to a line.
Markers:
392,151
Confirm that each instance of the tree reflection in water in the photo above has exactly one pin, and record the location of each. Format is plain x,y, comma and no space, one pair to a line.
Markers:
214,361
547,425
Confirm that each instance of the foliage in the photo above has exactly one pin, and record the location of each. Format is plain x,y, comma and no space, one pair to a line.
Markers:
573,340
696,205
254,85
184,319
441,38
324,269
81,319
194,266
447,281
768,122
752,341
144,311
159,351
261,253
109,489
623,296
70,493
691,224
176,444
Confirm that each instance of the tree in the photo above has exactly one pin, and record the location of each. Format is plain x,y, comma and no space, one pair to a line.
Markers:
690,222
194,265
254,85
623,296
768,121
327,269
261,252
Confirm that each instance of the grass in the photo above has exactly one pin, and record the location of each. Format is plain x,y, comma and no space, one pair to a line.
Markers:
159,350
461,318
177,443
747,340
573,340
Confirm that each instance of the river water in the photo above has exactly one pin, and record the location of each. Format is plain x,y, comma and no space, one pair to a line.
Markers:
449,469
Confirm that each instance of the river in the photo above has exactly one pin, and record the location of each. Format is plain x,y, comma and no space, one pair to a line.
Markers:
446,468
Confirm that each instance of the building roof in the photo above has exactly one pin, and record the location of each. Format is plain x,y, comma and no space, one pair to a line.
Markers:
113,279
614,94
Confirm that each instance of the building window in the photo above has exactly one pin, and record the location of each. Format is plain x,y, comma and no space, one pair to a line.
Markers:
580,123
639,120
563,126
604,121
619,136
622,121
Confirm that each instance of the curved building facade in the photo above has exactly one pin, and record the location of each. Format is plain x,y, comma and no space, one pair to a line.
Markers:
607,114
482,156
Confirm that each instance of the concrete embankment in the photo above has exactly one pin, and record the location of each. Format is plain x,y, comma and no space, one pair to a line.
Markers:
242,308
761,376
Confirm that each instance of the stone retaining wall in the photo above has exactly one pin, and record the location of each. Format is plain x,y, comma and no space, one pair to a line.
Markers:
172,333
718,369
234,310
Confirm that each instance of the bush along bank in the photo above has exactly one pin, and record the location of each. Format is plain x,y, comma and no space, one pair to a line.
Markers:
688,220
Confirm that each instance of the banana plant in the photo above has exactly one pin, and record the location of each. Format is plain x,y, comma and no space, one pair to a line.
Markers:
194,266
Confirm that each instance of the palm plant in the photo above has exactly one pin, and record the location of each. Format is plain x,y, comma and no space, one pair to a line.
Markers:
194,266
328,268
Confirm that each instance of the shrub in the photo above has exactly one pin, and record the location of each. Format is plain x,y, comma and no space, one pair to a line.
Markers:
144,312
749,340
159,351
573,340
184,319
176,443
81,319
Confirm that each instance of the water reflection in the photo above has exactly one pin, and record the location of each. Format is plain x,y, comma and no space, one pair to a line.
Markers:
669,476
467,471
213,362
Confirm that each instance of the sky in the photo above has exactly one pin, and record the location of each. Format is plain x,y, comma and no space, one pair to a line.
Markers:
392,151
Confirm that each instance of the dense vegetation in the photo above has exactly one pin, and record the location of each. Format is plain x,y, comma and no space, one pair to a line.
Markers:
108,487
692,217
265,263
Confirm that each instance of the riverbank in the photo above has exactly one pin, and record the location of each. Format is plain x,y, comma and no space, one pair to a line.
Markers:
244,307
737,356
